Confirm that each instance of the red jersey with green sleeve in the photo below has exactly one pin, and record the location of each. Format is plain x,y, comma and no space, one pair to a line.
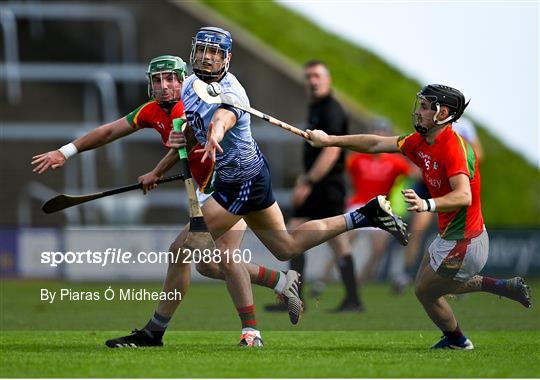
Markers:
448,156
151,115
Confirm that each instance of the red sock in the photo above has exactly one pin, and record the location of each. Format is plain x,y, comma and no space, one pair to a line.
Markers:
267,277
453,335
495,286
247,316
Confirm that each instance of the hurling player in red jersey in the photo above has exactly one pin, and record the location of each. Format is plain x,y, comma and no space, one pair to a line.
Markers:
450,169
165,76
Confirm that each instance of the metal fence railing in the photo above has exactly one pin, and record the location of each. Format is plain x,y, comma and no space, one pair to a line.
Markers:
36,11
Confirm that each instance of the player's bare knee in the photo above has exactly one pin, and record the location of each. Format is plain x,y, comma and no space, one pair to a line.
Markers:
283,255
424,294
210,270
178,255
417,291
226,263
420,291
288,251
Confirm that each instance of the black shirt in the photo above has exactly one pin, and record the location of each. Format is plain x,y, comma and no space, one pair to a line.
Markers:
327,115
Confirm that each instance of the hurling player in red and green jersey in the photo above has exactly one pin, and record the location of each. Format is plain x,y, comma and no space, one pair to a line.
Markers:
450,170
165,77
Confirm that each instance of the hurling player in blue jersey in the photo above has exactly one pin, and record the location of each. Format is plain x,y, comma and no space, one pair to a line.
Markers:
242,183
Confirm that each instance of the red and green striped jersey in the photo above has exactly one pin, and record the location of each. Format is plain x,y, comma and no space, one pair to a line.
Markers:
151,115
448,156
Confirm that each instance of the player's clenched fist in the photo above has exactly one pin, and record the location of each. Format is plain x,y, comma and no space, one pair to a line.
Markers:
317,138
177,140
53,159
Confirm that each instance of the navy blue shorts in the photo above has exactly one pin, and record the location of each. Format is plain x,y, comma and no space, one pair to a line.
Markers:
244,197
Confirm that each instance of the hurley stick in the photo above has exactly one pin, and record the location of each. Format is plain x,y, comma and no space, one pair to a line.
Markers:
198,236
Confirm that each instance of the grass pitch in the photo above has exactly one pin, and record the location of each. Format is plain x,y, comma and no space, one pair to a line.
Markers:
286,354
391,339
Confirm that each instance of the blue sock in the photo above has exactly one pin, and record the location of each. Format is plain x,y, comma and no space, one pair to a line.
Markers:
355,220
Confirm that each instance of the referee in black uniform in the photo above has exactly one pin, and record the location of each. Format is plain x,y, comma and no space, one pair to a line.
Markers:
320,190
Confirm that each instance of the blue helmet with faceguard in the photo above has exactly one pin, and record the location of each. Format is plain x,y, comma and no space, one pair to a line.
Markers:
210,39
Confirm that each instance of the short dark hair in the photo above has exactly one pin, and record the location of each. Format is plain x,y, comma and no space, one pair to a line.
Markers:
315,62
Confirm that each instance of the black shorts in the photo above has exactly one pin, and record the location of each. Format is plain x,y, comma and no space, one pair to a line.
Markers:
325,200
243,197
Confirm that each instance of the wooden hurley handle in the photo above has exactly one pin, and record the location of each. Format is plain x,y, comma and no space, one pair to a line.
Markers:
288,127
194,208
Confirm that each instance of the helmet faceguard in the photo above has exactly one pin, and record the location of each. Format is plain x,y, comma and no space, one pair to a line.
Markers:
159,69
213,42
438,95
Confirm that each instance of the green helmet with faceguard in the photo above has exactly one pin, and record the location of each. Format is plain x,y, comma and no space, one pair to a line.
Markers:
162,65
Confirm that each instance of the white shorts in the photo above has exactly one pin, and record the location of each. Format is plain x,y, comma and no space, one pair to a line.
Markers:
459,260
202,197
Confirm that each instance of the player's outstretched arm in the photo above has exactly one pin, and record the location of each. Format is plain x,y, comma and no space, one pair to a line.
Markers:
149,179
358,143
100,136
104,134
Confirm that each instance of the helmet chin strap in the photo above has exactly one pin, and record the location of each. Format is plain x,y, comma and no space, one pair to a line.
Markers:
424,130
209,76
421,130
442,122
417,125
168,104
216,75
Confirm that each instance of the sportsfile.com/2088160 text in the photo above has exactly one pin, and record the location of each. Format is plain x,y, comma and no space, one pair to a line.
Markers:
118,256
